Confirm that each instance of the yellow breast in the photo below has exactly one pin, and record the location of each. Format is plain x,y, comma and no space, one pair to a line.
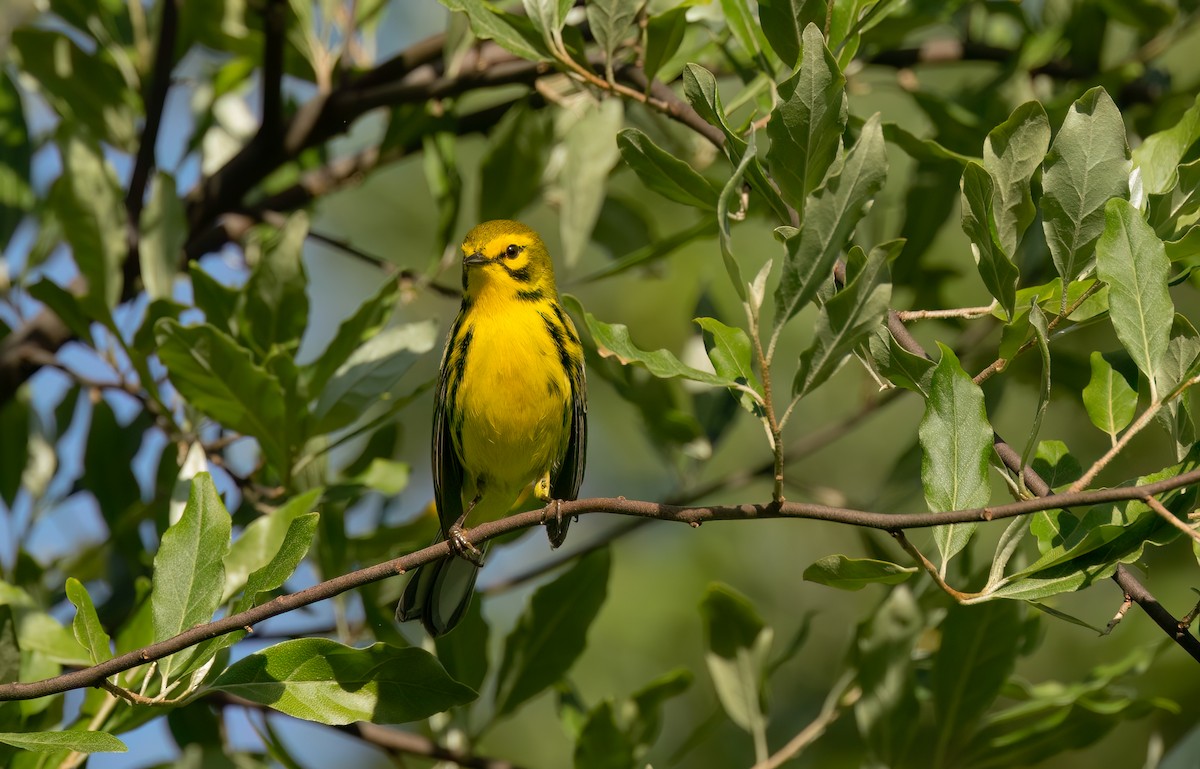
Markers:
514,396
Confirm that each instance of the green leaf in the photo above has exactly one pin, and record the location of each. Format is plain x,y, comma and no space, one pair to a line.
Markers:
978,652
700,87
1131,260
464,650
649,700
664,173
370,373
510,173
602,745
1088,164
739,643
996,267
14,444
923,150
898,365
831,214
887,712
1012,154
664,34
86,88
1158,157
611,22
188,569
849,317
37,631
387,476
88,630
730,353
52,742
218,302
504,28
321,680
261,540
16,196
1108,398
806,126
741,24
66,305
220,378
1056,465
86,201
856,573
589,153
164,230
956,441
548,17
612,341
265,579
552,631
352,333
1041,333
784,21
275,311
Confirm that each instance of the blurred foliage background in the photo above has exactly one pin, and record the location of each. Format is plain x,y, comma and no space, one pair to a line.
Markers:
230,238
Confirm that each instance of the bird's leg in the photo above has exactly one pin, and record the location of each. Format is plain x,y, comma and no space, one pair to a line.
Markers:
456,535
541,490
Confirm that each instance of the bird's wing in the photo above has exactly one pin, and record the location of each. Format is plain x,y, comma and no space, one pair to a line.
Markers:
447,467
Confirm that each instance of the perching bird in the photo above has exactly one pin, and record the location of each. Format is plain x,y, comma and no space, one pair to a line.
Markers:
510,411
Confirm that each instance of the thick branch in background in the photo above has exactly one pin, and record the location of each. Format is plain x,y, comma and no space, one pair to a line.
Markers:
694,516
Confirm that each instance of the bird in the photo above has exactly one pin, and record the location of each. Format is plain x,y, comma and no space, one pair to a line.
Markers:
510,411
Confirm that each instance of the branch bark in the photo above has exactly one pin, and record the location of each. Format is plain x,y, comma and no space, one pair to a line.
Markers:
694,515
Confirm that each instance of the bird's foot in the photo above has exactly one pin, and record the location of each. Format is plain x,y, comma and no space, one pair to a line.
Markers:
462,547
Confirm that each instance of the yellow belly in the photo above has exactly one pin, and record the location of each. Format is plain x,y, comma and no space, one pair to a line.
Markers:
515,399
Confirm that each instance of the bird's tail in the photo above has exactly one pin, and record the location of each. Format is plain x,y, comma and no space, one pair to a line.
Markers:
439,593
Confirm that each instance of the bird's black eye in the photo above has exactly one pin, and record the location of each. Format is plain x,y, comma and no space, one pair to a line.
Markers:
512,251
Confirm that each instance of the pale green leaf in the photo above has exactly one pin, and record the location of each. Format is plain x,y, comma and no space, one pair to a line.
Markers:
956,442
995,264
849,317
856,573
321,680
1012,154
53,742
1088,164
806,126
1108,398
1131,260
664,173
189,572
831,214
88,630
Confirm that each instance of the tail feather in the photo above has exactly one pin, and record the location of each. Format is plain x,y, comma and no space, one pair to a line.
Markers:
438,594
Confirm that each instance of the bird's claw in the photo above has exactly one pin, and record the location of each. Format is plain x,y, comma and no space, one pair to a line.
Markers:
462,547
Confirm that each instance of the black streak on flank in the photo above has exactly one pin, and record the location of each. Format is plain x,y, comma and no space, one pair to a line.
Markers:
556,334
536,295
458,359
562,321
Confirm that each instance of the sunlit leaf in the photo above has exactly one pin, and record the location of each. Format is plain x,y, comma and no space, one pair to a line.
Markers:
856,573
1088,164
1108,398
321,680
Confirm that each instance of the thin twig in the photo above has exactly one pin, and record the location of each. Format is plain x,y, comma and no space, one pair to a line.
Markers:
957,312
91,676
930,568
830,712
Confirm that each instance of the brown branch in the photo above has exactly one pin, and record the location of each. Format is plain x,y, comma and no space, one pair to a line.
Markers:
1011,458
135,196
696,515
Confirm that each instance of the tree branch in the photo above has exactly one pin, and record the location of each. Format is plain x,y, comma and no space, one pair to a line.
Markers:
695,515
135,196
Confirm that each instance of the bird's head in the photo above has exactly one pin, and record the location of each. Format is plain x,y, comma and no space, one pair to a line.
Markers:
504,254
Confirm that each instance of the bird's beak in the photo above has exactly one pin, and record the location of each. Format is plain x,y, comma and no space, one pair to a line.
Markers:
476,258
